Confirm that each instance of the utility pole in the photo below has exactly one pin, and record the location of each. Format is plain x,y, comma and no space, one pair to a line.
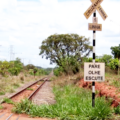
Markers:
11,52
23,59
0,46
14,55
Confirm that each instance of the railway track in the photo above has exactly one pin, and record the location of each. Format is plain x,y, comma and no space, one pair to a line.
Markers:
37,83
25,92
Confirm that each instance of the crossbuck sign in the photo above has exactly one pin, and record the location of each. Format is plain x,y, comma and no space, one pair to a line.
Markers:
94,71
95,6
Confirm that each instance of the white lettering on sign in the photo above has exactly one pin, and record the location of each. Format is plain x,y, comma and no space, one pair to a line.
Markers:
94,71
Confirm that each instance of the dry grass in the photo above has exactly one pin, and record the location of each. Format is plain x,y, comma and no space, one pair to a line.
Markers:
111,78
66,80
11,83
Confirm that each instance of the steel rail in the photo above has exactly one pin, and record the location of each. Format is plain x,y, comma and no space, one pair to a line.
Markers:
2,115
24,89
30,97
9,117
17,118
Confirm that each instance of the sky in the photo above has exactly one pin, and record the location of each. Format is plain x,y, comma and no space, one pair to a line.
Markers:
24,24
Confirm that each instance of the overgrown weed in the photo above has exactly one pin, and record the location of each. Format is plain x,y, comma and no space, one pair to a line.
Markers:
73,103
2,93
13,82
30,89
9,101
117,110
67,80
1,107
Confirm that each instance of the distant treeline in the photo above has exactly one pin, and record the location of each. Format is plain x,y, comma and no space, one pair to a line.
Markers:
15,67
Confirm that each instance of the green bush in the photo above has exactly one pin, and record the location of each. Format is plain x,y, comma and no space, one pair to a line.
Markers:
91,59
40,72
37,71
2,93
31,72
23,107
12,67
117,110
72,103
88,59
69,65
7,100
114,63
4,68
105,59
58,71
48,70
14,71
29,66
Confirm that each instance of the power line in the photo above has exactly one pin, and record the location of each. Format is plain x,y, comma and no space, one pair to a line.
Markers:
11,52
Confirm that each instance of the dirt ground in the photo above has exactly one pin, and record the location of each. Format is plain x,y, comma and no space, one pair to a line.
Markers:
47,96
104,90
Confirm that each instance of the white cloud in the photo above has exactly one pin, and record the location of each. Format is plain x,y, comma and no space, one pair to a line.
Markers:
25,24
4,43
14,40
48,2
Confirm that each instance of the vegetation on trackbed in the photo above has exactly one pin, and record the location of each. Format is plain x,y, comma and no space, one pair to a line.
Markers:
73,103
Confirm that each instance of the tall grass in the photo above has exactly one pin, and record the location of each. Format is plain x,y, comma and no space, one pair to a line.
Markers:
112,79
73,103
10,83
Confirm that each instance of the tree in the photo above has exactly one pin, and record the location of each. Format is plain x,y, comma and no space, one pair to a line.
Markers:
60,48
116,53
16,66
106,59
29,66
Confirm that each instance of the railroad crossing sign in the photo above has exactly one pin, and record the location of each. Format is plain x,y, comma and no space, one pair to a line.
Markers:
95,6
94,71
101,11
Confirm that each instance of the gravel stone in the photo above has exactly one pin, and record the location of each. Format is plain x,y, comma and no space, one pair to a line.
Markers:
44,95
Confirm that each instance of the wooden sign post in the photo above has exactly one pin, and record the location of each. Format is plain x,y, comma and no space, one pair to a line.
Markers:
91,73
